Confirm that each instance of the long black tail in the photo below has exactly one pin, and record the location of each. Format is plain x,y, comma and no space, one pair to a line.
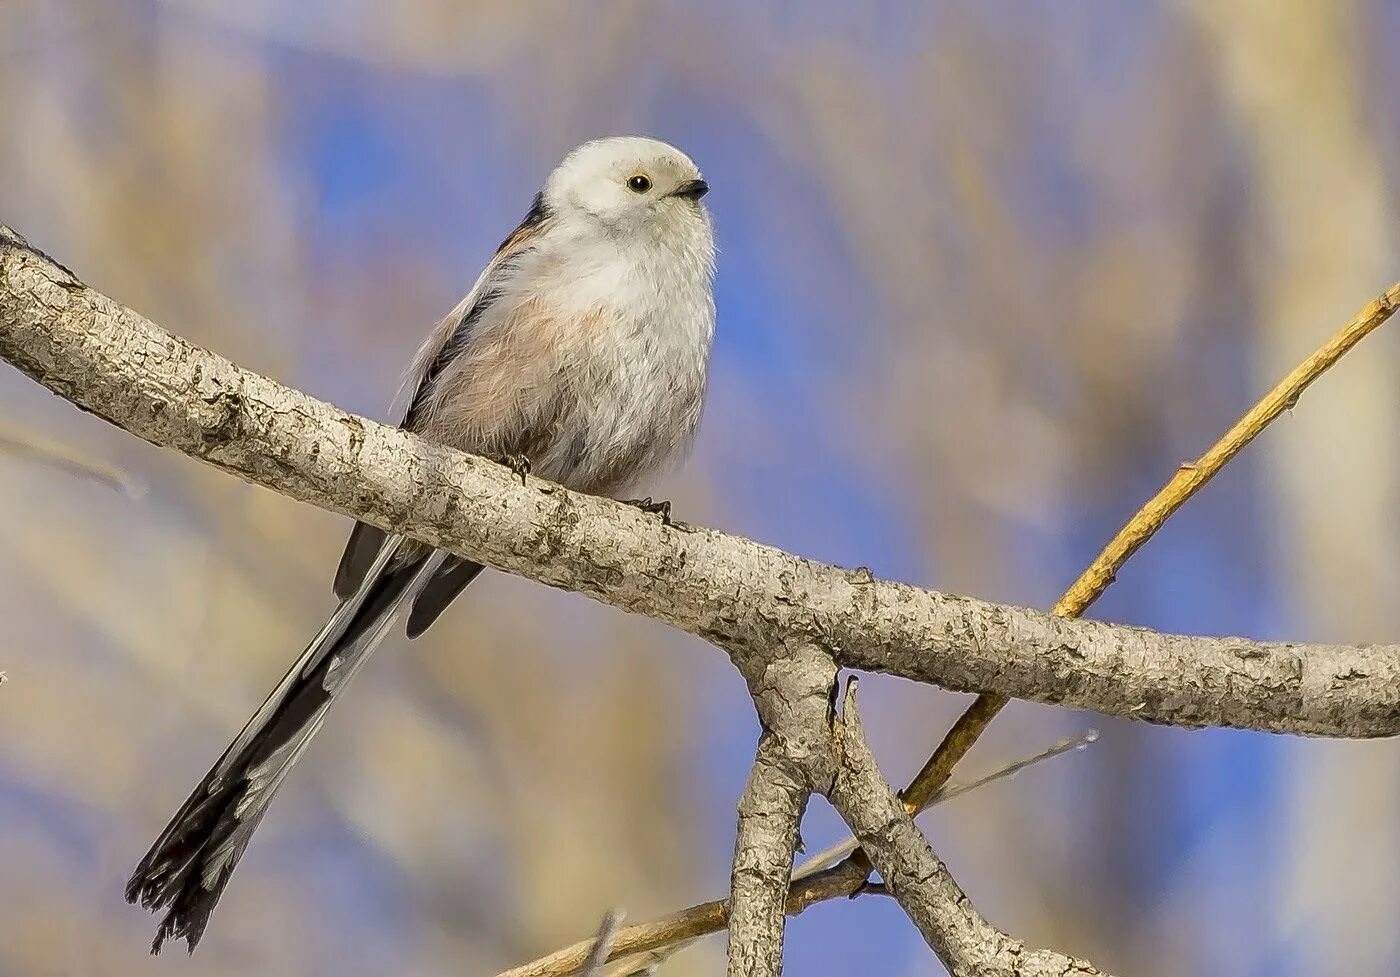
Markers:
190,863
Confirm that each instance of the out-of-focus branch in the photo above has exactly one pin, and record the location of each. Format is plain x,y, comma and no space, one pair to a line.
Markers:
747,598
1188,480
602,945
967,944
66,459
769,812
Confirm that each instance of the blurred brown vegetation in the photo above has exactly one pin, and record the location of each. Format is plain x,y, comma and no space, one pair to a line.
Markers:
1041,259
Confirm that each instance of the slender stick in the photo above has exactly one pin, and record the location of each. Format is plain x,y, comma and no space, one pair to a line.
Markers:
602,944
831,856
70,460
1188,480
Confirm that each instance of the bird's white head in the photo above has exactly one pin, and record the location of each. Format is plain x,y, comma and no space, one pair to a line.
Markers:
630,184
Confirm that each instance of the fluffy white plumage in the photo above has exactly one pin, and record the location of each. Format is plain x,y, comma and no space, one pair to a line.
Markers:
584,346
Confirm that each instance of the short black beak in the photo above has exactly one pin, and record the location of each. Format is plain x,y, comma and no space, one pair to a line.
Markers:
691,189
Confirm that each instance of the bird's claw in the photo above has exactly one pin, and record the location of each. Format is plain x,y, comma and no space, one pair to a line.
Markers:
662,508
518,464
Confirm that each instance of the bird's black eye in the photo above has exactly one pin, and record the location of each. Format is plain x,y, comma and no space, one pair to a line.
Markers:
639,183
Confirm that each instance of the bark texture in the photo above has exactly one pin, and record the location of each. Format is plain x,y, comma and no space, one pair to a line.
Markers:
968,945
747,598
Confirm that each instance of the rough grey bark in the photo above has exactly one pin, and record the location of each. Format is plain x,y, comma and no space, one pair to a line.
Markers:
769,813
968,945
792,690
747,598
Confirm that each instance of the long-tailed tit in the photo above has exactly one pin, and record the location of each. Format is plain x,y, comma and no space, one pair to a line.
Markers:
581,353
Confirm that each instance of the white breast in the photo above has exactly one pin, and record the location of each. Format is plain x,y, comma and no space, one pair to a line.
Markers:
590,360
633,381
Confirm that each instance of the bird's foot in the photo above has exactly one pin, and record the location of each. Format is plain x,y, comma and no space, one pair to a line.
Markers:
662,508
518,464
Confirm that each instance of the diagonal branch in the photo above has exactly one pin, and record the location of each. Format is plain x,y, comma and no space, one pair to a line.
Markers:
1189,479
602,944
966,943
743,596
644,944
688,924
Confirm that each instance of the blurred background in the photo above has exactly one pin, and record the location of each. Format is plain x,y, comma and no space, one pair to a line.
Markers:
988,273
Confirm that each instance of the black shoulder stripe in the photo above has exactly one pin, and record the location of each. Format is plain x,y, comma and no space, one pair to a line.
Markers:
534,217
448,353
490,293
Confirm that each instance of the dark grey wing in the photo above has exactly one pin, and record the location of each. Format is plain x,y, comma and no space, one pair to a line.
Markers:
360,551
450,581
437,353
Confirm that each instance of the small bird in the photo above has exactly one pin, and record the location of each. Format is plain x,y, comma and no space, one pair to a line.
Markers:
580,355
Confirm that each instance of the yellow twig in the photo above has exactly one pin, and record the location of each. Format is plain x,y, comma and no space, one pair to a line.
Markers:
1187,481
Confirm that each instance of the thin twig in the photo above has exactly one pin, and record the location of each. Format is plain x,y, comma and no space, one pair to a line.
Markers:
66,458
690,924
1188,480
830,856
602,944
706,918
966,943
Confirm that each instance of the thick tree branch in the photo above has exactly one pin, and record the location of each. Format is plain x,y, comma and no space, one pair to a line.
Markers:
743,596
968,945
